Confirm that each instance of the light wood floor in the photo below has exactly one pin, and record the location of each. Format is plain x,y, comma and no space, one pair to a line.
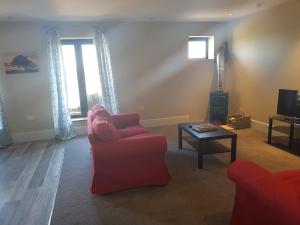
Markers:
29,176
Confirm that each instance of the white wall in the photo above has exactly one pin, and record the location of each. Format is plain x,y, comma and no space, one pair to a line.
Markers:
149,62
25,94
265,57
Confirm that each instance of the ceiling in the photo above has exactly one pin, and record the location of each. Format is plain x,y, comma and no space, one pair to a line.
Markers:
145,10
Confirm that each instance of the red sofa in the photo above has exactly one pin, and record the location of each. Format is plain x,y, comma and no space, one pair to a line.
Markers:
125,154
264,198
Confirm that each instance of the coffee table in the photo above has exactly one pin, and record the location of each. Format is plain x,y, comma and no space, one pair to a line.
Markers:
205,142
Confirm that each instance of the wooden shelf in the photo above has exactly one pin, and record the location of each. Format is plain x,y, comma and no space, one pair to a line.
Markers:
286,130
292,130
208,147
285,119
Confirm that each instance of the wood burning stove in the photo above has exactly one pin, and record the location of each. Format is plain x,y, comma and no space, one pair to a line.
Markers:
219,107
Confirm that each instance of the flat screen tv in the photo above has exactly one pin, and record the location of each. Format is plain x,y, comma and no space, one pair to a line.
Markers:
287,103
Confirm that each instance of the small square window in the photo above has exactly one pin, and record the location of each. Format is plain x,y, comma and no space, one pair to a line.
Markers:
198,48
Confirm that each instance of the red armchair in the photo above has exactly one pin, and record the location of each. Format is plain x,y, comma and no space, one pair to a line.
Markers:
134,158
264,198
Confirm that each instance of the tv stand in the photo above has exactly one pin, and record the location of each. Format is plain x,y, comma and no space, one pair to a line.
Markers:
290,120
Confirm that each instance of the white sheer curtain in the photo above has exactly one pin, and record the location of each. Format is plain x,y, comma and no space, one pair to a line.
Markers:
109,99
61,117
5,138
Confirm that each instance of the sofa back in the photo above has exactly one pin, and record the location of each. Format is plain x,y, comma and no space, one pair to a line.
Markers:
101,126
91,135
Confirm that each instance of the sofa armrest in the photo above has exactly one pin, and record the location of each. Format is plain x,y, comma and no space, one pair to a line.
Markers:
132,146
244,172
90,132
289,174
259,189
126,119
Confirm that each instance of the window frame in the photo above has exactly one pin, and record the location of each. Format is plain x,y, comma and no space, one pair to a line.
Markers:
77,43
199,38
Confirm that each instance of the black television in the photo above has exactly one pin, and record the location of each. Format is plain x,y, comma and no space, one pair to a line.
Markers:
288,103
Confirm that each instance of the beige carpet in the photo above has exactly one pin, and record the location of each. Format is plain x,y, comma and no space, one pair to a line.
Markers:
194,196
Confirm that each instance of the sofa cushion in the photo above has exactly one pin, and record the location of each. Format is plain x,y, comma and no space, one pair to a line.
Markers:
104,130
96,106
132,130
99,110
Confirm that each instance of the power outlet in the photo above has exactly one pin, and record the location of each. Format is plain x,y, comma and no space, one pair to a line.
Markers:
30,118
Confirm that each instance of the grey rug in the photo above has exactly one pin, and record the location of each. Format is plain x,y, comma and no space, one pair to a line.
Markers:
193,196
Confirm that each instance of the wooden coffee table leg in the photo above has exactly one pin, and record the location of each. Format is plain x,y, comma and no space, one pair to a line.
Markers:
233,148
200,155
291,136
200,160
179,137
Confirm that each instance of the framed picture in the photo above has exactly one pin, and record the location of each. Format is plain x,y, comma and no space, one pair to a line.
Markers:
20,62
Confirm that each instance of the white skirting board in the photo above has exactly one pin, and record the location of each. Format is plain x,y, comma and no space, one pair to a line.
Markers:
259,126
42,135
263,127
82,130
32,136
167,121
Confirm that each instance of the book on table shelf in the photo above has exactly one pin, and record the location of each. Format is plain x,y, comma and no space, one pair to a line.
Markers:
201,128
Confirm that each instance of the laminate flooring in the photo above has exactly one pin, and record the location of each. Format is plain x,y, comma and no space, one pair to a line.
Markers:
29,177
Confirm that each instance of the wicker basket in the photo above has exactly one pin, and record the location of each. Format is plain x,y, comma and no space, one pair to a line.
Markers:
239,121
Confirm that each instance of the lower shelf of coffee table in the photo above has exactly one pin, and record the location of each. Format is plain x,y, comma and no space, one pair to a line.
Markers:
208,147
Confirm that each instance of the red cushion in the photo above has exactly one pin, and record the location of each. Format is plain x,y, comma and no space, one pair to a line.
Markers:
105,130
132,130
96,106
99,110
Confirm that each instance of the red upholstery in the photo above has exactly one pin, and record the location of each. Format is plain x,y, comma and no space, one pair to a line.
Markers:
105,130
132,130
99,110
264,198
130,162
126,120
